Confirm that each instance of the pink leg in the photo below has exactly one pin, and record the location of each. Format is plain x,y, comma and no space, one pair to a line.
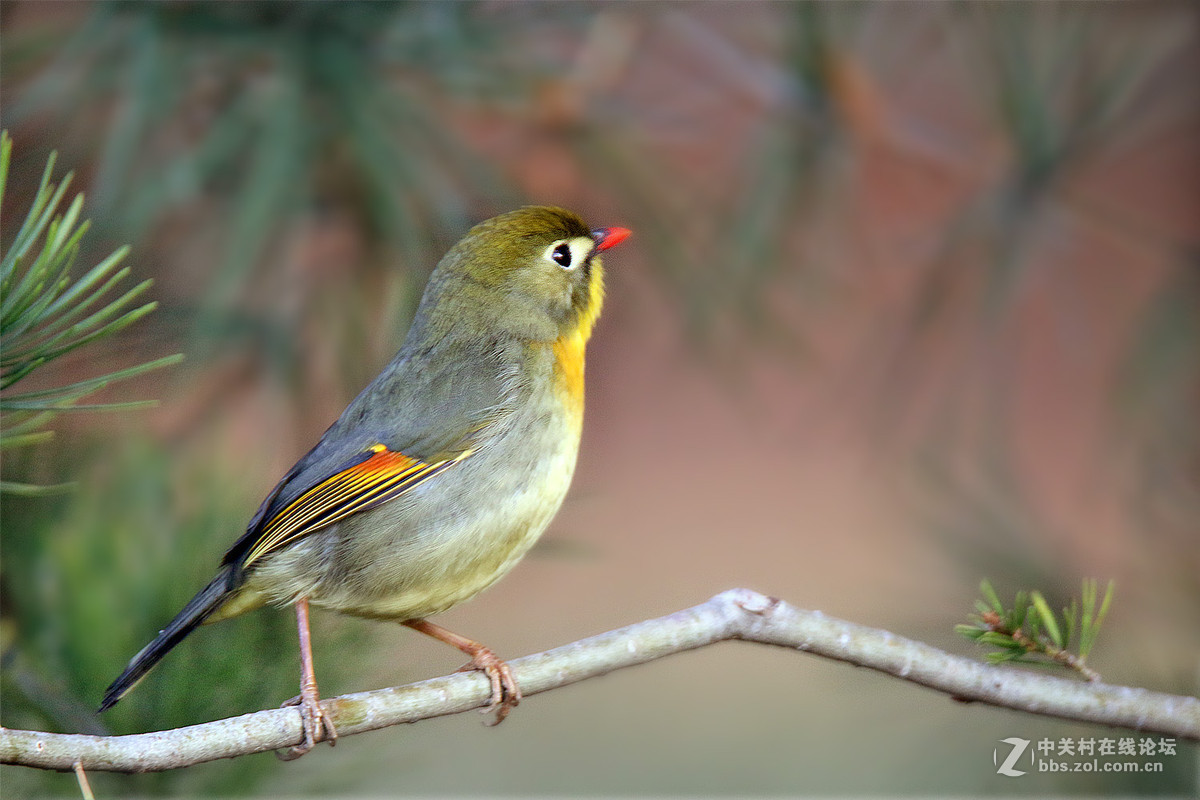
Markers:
317,726
505,692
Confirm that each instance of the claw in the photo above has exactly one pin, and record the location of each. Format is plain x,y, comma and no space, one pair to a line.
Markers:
317,726
506,694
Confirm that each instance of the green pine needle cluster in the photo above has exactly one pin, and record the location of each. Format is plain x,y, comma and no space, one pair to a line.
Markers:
1030,632
45,313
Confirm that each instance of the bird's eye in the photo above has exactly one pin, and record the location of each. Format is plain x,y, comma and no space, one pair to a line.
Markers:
562,255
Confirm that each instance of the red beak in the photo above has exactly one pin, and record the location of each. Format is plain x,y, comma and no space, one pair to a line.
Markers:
609,237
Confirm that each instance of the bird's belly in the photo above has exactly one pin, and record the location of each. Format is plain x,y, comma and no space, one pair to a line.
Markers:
435,547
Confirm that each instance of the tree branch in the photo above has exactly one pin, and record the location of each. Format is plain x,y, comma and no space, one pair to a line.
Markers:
735,614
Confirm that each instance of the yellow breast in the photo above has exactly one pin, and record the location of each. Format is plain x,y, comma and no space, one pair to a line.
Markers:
569,361
569,348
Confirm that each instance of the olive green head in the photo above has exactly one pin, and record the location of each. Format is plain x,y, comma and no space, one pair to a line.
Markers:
534,272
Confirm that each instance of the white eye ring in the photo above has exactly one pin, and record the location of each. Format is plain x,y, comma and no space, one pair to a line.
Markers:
561,254
569,254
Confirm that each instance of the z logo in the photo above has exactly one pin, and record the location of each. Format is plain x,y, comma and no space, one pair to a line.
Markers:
1018,749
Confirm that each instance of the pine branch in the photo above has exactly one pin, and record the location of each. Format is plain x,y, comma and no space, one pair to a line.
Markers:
46,313
735,614
1028,631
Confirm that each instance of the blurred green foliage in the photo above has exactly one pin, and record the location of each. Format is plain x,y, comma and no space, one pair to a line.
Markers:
1065,95
89,576
279,111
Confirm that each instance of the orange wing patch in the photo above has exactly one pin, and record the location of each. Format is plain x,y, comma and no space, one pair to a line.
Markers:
384,475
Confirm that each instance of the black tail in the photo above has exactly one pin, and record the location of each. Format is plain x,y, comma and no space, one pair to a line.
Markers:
198,609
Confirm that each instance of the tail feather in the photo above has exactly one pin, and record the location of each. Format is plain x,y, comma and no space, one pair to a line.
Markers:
199,608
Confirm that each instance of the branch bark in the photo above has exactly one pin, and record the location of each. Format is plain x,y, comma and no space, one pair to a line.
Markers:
735,614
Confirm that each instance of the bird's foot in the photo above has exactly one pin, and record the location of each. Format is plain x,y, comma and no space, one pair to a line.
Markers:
317,725
506,694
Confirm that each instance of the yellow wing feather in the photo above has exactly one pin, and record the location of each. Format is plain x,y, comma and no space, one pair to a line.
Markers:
380,477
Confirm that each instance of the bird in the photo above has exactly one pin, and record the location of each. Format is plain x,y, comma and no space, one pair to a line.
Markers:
443,472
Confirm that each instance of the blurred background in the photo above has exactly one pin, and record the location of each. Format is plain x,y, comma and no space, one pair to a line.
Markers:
913,300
